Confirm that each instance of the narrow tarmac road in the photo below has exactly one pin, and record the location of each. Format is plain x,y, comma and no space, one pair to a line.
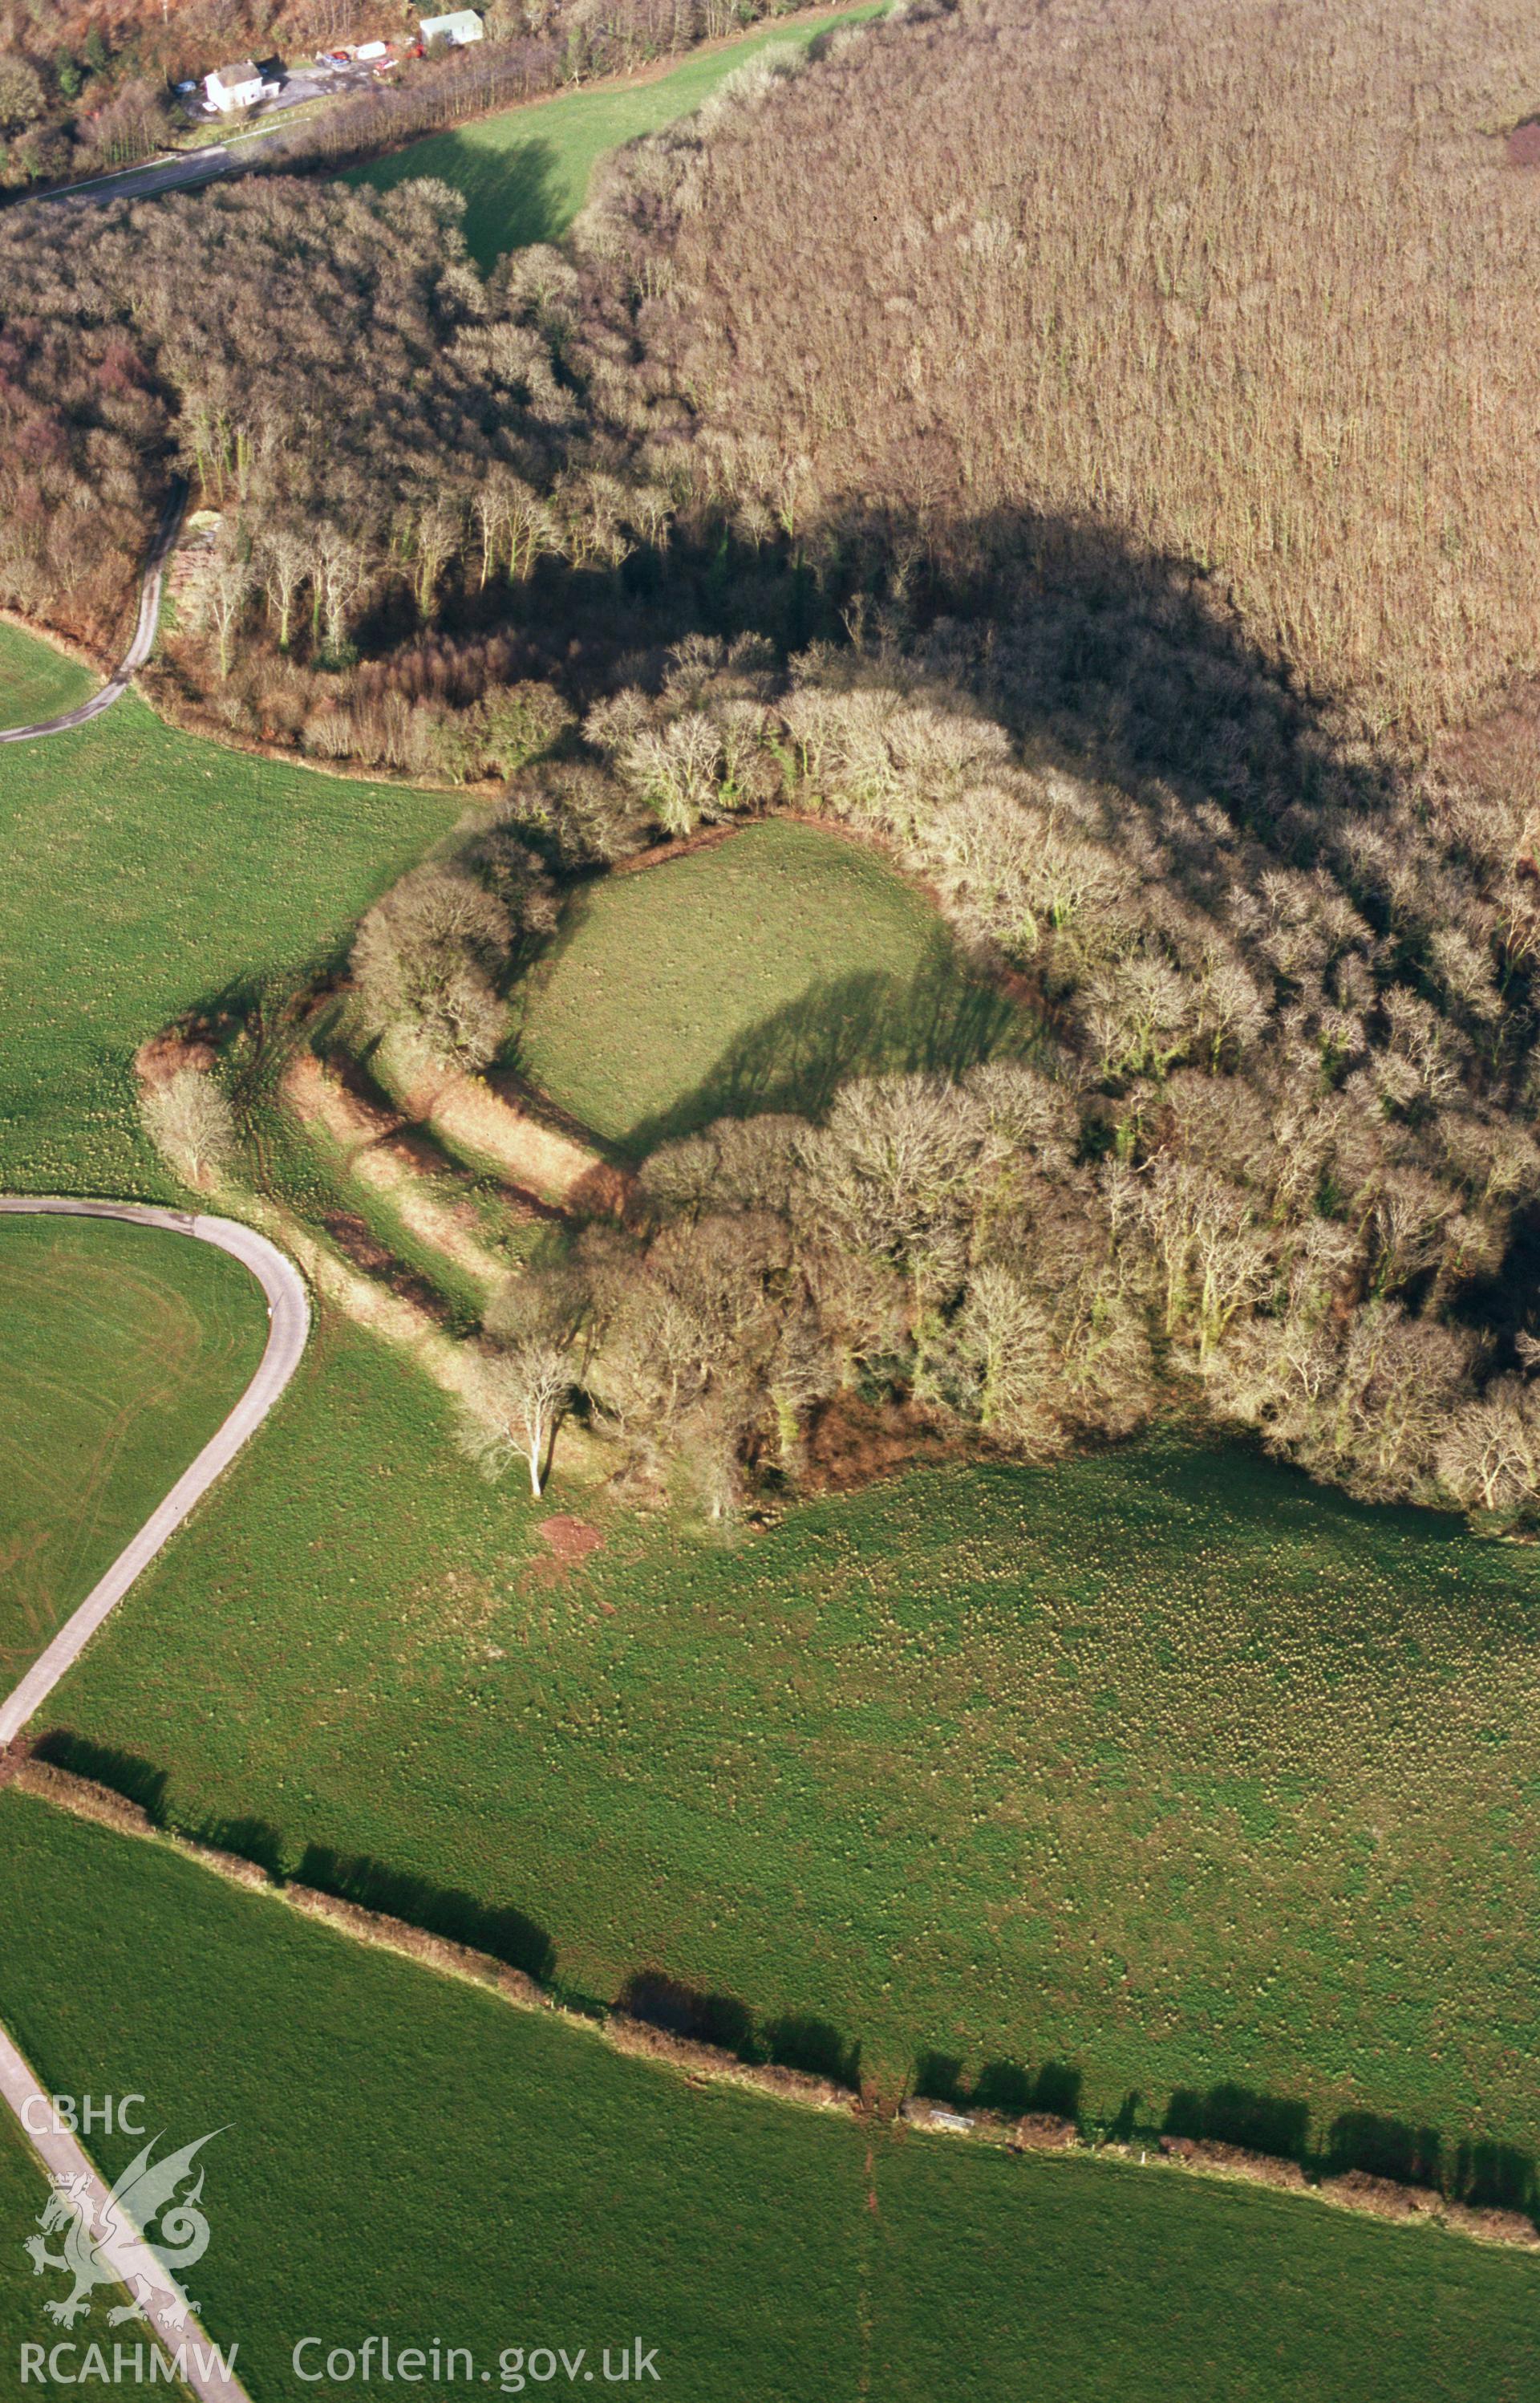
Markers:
203,2367
288,1315
183,175
289,1312
144,632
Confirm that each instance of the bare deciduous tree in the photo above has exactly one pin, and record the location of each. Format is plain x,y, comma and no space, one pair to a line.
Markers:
431,957
189,1120
520,1396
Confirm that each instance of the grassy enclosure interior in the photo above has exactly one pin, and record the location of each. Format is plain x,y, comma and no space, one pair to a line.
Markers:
756,974
525,172
148,872
35,680
764,2251
121,1348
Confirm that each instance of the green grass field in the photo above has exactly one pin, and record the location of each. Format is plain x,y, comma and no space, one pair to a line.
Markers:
147,870
757,975
402,2156
36,681
1166,1766
525,172
121,1348
23,2187
23,2191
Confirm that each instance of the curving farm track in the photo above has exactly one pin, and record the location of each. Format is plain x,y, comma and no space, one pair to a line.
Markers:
288,1315
144,633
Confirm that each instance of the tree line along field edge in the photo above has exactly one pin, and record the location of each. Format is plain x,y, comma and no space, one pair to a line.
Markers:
998,1765
664,2207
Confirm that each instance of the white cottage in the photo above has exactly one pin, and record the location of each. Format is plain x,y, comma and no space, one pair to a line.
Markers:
237,87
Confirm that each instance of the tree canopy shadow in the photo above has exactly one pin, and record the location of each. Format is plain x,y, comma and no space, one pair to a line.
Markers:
1492,2177
512,196
1482,2173
508,1934
1387,2148
250,1840
942,1020
128,1773
1240,2115
1117,654
1007,2087
795,2040
689,2011
512,199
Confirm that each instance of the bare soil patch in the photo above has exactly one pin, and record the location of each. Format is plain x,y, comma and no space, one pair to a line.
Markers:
703,839
358,1243
570,1540
853,1443
166,1055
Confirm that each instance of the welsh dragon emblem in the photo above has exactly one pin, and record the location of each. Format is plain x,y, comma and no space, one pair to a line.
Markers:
117,2249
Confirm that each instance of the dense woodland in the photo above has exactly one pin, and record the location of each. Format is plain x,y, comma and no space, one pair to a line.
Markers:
1275,1152
224,333
1243,287
1144,493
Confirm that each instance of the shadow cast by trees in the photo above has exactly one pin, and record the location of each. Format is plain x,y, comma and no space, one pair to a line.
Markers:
1492,2177
795,2040
1482,2173
1388,2148
512,197
1290,1501
508,1934
694,2013
1240,2115
1103,657
128,1773
1098,652
1007,2087
942,1020
249,1840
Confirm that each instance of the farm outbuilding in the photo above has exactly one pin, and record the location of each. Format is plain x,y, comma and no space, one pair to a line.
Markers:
462,25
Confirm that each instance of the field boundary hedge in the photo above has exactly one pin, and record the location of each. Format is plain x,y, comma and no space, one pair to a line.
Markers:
1034,2131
